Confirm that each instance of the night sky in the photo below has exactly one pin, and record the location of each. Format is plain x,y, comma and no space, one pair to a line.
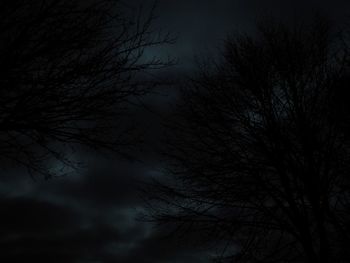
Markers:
92,215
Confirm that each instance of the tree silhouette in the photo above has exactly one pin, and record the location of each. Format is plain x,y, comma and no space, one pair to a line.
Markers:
257,151
68,70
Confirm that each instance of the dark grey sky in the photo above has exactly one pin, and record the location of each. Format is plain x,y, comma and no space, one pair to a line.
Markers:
202,26
90,216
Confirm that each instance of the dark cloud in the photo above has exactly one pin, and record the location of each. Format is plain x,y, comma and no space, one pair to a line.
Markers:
89,217
40,231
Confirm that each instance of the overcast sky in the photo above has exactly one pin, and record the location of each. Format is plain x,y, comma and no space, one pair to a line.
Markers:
91,216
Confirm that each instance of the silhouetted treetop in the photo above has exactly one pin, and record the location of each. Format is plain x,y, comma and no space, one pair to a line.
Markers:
257,153
67,72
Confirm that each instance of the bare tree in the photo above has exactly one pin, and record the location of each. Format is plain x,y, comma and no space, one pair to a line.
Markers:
68,70
257,154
